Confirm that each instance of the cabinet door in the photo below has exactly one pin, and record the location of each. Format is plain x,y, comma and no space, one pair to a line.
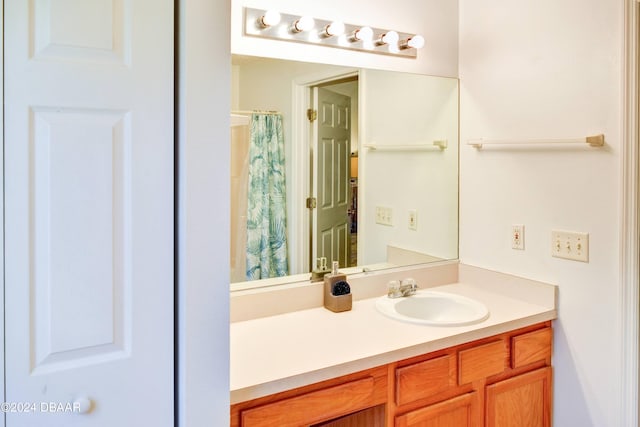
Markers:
522,401
461,411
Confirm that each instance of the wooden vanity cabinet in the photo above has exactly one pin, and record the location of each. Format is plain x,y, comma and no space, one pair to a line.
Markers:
316,404
521,401
500,381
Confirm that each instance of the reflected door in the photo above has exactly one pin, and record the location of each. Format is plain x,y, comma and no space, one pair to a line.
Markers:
333,130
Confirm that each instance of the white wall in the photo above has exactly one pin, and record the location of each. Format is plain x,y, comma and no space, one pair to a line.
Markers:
408,109
436,20
542,69
203,213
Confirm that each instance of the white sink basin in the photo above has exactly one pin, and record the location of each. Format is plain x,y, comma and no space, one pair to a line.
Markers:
434,308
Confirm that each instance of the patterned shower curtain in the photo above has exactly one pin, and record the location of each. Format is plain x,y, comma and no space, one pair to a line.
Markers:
266,209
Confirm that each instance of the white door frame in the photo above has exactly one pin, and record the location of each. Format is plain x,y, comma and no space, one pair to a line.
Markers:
629,231
298,213
202,289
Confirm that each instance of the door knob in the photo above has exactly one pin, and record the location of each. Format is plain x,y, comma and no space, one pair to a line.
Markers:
82,405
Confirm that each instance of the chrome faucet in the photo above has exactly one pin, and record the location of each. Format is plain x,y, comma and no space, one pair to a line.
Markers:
402,288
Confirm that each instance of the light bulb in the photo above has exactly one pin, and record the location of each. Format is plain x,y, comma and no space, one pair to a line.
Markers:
305,23
364,34
336,28
390,38
270,18
416,42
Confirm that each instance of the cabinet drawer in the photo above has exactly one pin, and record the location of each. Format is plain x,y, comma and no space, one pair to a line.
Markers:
461,411
425,379
531,347
482,361
313,407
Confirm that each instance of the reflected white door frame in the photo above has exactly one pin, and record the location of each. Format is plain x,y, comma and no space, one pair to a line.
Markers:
299,221
629,232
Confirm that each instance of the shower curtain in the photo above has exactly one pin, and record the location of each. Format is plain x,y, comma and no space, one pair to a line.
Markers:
266,208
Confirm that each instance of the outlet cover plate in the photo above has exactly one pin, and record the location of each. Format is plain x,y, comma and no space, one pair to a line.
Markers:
570,245
413,219
517,236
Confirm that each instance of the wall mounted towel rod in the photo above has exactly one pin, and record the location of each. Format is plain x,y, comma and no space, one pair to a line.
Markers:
439,144
250,112
594,141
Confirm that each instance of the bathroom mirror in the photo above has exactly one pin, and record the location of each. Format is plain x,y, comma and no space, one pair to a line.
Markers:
381,146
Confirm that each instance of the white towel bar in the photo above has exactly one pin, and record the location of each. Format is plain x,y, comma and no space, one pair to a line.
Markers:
594,141
439,144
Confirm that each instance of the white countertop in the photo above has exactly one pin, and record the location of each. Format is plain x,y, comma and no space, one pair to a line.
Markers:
285,351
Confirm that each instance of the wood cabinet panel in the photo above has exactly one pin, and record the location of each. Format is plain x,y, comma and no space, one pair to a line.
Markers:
522,401
531,347
461,411
372,417
309,408
425,379
482,361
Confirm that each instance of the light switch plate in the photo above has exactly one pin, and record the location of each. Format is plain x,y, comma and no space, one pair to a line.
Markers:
570,245
384,215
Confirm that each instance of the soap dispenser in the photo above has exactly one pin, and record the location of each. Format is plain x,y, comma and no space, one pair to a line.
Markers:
337,292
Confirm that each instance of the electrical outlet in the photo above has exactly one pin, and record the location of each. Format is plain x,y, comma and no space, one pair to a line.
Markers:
570,245
517,236
384,215
413,219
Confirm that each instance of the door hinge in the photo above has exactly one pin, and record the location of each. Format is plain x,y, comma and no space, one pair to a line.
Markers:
311,202
312,114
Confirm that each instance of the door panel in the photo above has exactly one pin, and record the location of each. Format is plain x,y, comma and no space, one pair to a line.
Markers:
84,223
99,30
89,211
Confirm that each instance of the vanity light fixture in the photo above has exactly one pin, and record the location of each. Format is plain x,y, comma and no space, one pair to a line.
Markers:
269,19
415,42
336,28
363,34
390,37
305,23
331,33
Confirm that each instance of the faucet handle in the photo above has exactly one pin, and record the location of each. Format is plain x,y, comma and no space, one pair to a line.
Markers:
393,289
410,284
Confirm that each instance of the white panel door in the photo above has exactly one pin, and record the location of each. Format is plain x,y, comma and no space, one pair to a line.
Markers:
331,233
89,212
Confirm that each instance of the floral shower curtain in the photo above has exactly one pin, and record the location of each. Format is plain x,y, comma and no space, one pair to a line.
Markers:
266,209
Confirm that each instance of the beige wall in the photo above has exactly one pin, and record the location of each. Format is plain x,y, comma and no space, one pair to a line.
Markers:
545,69
424,181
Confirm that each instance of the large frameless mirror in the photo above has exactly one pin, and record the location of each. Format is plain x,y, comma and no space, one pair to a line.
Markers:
332,163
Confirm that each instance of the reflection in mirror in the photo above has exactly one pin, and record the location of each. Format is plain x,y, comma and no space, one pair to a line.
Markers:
368,176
